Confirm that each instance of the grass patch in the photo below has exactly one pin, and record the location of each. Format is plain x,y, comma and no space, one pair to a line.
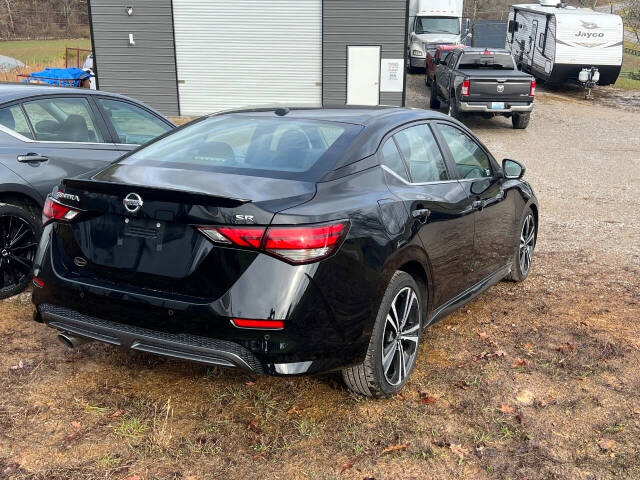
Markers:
39,52
629,63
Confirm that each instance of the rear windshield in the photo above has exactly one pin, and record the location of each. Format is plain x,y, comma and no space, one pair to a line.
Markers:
261,146
500,61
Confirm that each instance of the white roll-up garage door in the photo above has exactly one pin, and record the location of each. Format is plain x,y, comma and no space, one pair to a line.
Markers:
233,54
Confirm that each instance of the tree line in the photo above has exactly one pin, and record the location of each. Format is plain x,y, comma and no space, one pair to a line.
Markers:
43,19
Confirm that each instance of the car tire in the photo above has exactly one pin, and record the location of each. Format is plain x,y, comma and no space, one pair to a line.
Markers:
525,246
389,359
453,109
434,103
520,121
20,230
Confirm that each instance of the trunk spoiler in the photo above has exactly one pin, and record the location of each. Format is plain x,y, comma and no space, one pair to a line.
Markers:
153,193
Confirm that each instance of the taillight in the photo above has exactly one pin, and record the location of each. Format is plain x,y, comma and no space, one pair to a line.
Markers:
466,87
259,324
56,212
295,244
532,89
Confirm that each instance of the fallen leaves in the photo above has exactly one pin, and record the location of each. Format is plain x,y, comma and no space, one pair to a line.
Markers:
607,444
496,353
458,450
426,399
566,348
19,366
395,448
346,466
116,414
76,426
253,426
483,335
521,362
507,409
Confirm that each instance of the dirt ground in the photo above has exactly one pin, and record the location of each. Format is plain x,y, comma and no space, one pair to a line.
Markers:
538,380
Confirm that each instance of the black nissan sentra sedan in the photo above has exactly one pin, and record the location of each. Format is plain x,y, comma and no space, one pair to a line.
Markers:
286,241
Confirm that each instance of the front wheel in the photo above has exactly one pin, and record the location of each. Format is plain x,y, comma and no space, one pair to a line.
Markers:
393,347
434,103
453,109
19,234
523,257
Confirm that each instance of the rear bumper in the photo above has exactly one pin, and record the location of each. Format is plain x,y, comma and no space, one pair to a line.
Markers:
485,107
204,350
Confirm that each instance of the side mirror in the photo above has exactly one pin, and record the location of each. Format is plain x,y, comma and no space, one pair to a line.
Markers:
513,170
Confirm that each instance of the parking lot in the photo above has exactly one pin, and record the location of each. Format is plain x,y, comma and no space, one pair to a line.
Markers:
533,380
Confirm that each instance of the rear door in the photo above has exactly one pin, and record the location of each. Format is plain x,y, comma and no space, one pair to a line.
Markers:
66,137
439,209
494,205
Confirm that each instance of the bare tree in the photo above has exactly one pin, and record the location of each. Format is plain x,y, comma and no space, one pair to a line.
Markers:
11,25
631,17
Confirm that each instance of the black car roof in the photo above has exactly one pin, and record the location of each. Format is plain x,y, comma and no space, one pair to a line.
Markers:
359,115
10,92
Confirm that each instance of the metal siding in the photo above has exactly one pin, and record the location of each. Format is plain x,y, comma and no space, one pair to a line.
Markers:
234,54
359,22
146,71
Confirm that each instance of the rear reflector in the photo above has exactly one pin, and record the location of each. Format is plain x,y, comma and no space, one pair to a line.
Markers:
258,324
466,87
532,89
38,282
295,244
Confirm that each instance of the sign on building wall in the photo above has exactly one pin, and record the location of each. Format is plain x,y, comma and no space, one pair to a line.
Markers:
391,75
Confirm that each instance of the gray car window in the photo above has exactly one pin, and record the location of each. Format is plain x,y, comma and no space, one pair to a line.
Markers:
471,160
421,152
390,157
13,118
65,119
134,125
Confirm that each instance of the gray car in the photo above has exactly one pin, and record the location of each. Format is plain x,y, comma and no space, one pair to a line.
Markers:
49,133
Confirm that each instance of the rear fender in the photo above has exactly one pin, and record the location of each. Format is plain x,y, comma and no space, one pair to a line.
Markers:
12,183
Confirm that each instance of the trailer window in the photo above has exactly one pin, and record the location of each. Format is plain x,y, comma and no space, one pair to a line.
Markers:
477,61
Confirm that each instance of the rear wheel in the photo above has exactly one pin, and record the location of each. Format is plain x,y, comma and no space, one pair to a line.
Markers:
393,347
434,103
523,257
521,120
453,109
20,230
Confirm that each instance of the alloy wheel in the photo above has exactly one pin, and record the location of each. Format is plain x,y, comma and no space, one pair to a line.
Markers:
527,243
17,249
400,336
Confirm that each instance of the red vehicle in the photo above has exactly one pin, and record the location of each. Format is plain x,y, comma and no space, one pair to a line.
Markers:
439,53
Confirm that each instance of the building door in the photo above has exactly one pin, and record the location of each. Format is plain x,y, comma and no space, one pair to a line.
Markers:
233,54
363,75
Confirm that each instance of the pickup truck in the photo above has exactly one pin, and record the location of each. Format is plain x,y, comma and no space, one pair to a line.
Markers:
487,82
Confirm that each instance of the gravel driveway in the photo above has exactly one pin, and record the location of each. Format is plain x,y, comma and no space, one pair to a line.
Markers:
583,160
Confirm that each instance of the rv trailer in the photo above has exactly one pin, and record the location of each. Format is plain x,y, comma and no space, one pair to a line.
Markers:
558,43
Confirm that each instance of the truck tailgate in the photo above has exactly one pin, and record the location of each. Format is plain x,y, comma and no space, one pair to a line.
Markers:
499,89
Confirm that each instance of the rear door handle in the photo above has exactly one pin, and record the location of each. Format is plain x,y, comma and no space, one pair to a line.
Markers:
421,214
32,157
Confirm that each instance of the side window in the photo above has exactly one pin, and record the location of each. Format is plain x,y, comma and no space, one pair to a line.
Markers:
451,59
471,160
63,120
390,157
134,125
14,119
423,157
447,57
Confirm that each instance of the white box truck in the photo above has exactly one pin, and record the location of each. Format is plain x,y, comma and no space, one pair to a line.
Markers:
433,23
